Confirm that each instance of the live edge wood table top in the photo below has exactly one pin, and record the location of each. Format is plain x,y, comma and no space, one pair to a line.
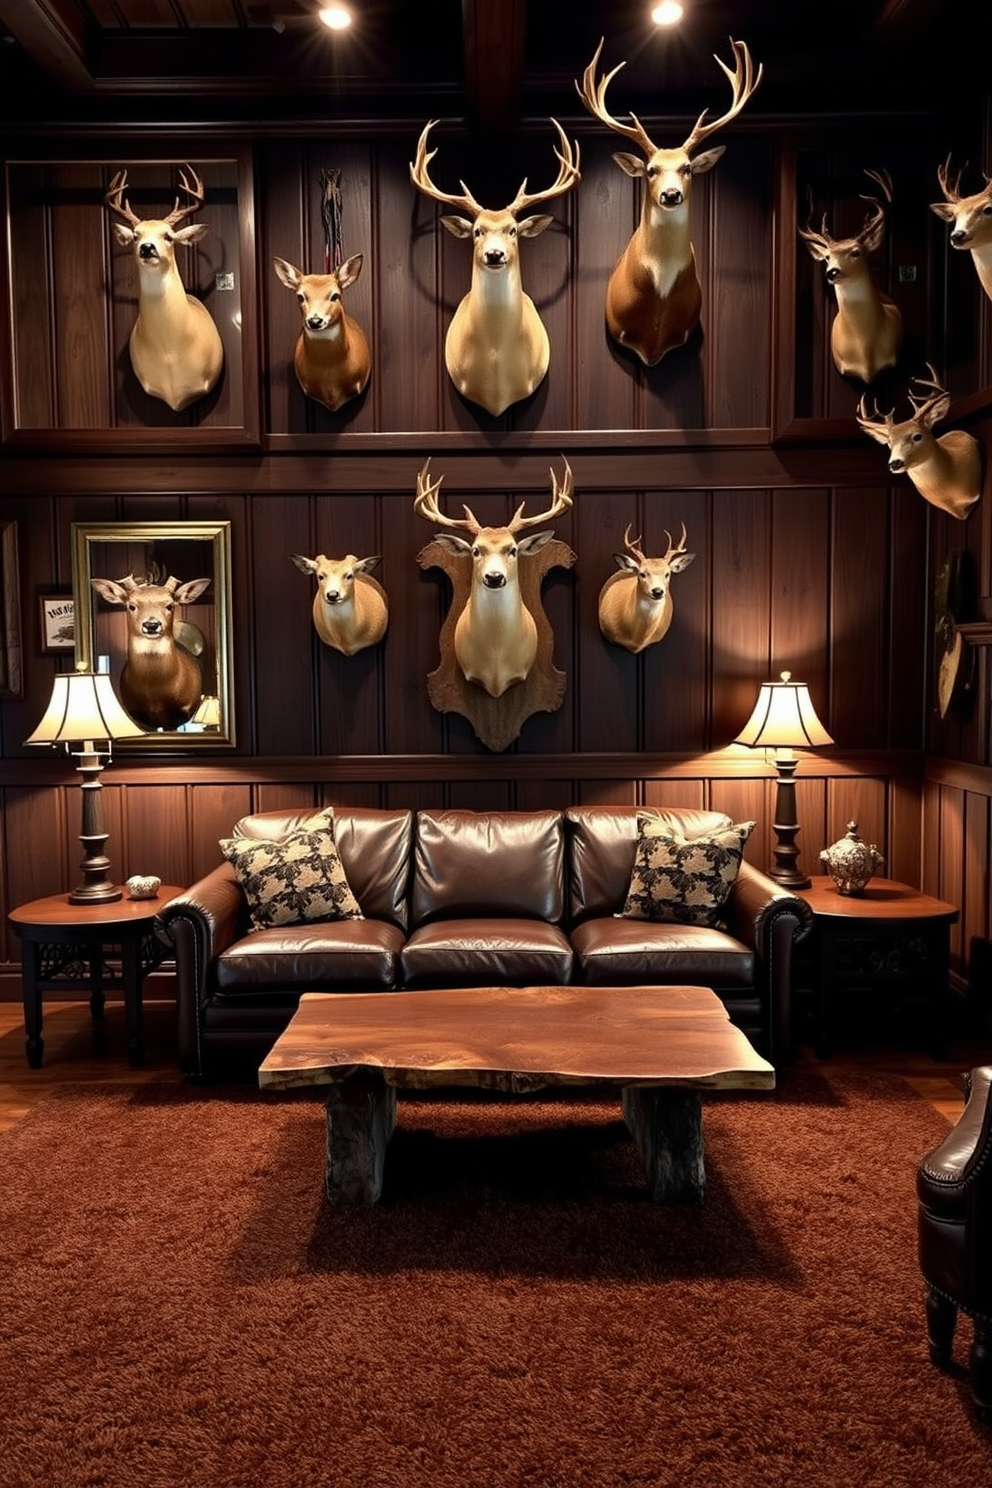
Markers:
661,1045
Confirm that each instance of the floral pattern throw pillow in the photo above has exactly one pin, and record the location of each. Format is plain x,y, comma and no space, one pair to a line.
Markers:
296,880
683,881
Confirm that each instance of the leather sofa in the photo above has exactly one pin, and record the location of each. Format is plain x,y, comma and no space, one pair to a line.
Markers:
464,898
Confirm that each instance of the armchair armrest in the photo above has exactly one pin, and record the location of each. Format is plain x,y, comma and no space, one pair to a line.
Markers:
770,920
201,923
949,1168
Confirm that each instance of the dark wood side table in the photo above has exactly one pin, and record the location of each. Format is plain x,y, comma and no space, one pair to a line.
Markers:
62,948
891,933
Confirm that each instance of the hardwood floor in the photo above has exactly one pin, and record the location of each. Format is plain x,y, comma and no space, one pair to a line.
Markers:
79,1051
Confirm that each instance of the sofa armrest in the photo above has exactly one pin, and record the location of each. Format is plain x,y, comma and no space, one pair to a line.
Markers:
947,1169
770,920
201,924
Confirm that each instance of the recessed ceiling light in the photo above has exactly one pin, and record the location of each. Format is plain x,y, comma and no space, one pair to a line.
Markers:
668,13
335,17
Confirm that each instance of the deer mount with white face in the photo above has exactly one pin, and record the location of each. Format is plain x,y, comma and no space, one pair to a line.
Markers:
635,604
496,349
350,609
175,347
970,219
653,298
867,332
496,643
946,469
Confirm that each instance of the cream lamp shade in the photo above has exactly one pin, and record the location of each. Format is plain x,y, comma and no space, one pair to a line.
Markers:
84,715
784,719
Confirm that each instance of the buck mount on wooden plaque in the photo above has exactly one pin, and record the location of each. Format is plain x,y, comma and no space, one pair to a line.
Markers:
512,660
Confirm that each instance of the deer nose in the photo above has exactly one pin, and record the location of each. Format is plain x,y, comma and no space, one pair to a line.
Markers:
494,257
657,592
151,627
959,236
896,463
333,596
315,322
494,580
672,197
147,250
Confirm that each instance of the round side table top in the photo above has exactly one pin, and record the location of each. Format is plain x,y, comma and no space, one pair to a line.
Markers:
55,911
883,899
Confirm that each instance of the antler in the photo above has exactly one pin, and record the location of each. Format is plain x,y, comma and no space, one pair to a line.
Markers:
870,232
593,95
114,198
877,420
674,551
562,501
195,190
425,504
743,80
421,179
949,185
930,404
568,175
633,545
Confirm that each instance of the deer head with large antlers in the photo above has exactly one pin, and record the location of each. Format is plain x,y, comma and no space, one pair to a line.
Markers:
970,218
866,335
176,350
653,298
495,637
496,349
946,470
635,605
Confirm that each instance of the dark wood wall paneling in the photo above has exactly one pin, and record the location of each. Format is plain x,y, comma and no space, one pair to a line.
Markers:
830,576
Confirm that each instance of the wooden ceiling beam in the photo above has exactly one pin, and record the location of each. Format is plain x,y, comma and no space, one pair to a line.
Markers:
493,37
53,33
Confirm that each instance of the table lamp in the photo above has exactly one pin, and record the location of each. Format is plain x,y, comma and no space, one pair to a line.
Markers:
783,719
83,714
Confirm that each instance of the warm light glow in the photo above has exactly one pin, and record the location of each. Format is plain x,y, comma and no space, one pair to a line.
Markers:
668,13
335,17
82,709
783,718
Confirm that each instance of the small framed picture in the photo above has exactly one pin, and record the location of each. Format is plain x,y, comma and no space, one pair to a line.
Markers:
58,622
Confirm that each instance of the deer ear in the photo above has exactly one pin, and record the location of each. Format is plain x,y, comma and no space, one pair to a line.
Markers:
459,227
350,270
186,593
536,540
682,561
124,235
366,565
287,273
818,250
633,165
305,565
191,234
871,241
531,226
625,562
945,211
707,160
875,432
938,411
110,590
452,544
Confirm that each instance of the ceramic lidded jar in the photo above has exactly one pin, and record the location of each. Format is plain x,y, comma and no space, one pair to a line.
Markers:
851,862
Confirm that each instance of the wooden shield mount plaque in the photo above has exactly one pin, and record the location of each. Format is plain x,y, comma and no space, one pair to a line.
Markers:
497,721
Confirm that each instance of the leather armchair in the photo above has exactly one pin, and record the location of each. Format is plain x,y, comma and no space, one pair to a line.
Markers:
954,1188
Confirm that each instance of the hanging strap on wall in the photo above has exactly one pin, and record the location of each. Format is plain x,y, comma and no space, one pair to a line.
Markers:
330,213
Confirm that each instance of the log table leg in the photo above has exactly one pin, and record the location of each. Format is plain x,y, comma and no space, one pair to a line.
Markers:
361,1116
667,1125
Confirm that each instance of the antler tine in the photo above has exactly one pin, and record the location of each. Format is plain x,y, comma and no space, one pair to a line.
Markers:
562,501
593,95
113,197
949,185
194,189
633,545
673,548
932,393
876,418
425,504
420,177
743,80
568,175
874,219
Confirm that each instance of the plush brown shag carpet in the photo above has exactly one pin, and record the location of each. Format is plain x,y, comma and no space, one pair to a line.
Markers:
180,1309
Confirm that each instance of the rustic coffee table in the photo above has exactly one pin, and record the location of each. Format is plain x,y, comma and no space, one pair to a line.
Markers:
661,1045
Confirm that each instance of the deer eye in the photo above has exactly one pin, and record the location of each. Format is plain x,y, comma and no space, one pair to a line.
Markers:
917,437
334,296
169,609
132,606
513,232
651,171
301,297
478,232
686,170
855,252
987,211
511,552
476,552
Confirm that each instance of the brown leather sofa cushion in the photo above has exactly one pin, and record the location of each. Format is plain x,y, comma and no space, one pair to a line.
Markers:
483,952
343,955
602,845
489,864
374,848
628,952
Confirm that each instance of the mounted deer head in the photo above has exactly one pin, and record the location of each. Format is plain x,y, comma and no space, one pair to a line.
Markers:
496,349
176,350
350,609
332,357
653,298
635,605
867,333
495,638
160,682
946,470
971,220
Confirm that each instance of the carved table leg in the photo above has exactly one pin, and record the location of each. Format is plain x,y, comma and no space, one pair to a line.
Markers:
361,1115
667,1125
